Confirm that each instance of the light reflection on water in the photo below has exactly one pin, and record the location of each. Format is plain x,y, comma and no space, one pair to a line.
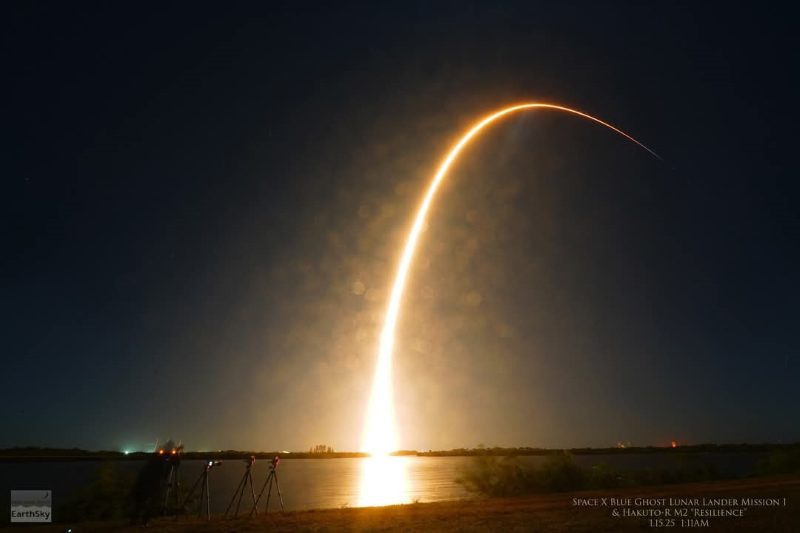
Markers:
305,483
325,483
384,481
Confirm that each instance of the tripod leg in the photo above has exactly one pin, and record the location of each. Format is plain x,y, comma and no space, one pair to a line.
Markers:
208,501
169,486
191,492
176,483
269,492
241,493
202,495
253,493
255,505
279,490
241,484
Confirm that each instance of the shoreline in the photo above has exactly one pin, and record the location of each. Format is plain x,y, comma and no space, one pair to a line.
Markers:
540,512
49,454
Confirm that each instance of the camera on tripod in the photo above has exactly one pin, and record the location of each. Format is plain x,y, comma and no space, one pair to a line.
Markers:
205,494
272,479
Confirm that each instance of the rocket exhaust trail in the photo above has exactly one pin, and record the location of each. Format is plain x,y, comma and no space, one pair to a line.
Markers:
380,434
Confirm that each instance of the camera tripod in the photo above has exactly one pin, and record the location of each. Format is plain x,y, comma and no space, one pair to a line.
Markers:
272,479
202,481
246,478
173,486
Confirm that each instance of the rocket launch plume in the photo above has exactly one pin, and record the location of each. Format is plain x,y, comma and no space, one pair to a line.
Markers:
380,434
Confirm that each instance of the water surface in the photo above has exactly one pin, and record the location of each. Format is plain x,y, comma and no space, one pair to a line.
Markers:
327,483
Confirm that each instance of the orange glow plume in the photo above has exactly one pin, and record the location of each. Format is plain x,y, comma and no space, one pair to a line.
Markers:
380,434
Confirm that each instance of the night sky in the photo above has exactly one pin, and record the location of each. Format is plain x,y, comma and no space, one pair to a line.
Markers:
202,210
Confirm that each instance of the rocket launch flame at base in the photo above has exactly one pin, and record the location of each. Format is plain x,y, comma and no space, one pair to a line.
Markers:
380,434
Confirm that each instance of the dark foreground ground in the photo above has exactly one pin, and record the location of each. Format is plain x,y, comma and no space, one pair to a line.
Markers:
551,512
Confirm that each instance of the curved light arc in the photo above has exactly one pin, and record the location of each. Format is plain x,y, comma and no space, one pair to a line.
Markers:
380,435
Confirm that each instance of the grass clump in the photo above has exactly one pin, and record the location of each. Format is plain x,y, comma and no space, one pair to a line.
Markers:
508,476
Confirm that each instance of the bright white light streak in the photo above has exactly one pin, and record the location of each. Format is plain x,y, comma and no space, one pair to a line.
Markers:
380,432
